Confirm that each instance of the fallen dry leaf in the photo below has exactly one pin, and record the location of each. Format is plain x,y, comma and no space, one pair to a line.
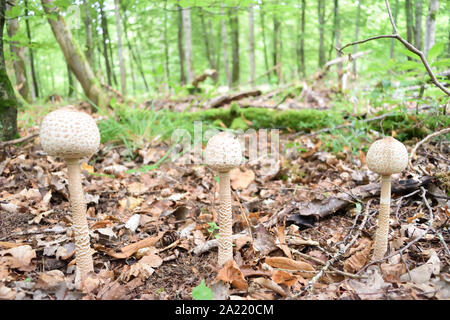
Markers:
283,277
288,264
230,273
241,180
20,257
50,280
6,293
359,258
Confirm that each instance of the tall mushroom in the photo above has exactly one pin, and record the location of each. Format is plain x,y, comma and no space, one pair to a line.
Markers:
385,157
73,135
223,153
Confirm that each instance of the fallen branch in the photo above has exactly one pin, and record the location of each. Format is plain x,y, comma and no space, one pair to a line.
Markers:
430,136
320,209
225,99
19,140
407,45
207,73
346,58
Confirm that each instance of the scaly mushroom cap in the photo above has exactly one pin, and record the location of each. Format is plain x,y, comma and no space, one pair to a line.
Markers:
387,156
69,134
223,152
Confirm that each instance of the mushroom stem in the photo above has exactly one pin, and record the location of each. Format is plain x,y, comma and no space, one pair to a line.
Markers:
225,219
84,259
381,236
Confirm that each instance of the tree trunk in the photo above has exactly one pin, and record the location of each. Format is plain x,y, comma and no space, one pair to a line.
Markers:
166,47
251,44
321,16
206,39
355,48
418,30
234,28
134,57
19,60
180,45
188,43
301,42
409,21
430,25
123,83
105,46
276,52
226,65
395,14
89,49
69,81
35,91
74,56
337,34
263,30
8,101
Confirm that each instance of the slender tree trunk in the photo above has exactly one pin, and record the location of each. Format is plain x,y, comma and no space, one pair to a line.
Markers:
69,81
409,21
430,25
89,49
263,30
226,65
251,44
301,42
206,38
337,32
234,28
188,43
133,75
123,83
321,16
134,57
355,48
395,14
276,47
30,50
19,60
105,46
418,30
180,45
8,101
166,47
74,56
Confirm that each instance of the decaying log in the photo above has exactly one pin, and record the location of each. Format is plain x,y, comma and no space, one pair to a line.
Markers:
319,209
225,99
207,73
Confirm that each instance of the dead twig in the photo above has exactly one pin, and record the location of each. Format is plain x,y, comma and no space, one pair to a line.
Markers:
19,140
427,138
407,45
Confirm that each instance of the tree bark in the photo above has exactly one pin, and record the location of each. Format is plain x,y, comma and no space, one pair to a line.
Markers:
206,39
123,83
337,34
263,30
355,49
74,56
35,91
226,65
276,52
188,44
89,49
409,21
251,44
395,14
19,59
105,47
430,26
69,81
418,29
301,42
8,101
321,17
180,45
234,28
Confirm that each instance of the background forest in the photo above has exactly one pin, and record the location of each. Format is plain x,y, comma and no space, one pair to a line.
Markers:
329,76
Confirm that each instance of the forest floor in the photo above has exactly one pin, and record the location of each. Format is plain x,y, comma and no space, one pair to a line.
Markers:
153,232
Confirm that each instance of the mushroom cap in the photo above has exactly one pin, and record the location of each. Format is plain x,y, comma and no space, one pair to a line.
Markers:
387,156
223,152
69,134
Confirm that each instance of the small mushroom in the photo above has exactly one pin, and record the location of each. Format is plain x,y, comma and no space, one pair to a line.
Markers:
223,153
386,157
73,135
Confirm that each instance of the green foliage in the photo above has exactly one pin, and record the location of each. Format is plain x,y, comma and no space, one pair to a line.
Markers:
213,229
202,292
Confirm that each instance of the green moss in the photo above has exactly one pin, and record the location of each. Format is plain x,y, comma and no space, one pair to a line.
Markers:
239,123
